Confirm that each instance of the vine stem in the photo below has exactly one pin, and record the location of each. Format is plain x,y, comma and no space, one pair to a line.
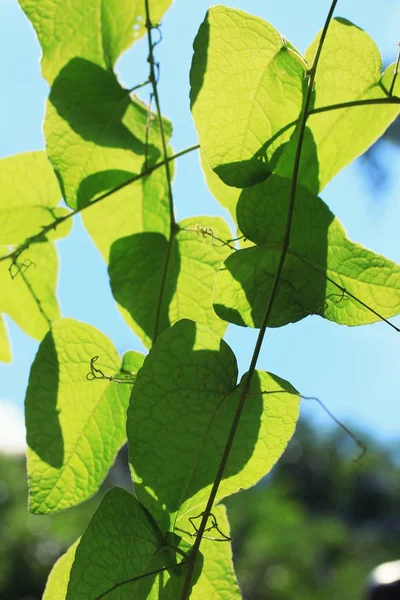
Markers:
285,246
396,72
31,240
172,224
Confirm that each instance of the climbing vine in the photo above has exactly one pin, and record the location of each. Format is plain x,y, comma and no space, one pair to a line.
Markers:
274,128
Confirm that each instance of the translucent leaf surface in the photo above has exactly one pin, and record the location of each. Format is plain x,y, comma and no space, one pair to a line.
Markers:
180,414
123,542
30,194
5,348
95,132
140,207
75,427
28,289
246,85
319,249
136,269
226,195
349,69
96,30
57,582
217,579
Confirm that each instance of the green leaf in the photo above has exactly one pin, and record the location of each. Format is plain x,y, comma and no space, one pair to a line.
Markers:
180,413
123,542
75,427
57,582
95,132
95,30
136,270
30,194
5,348
226,195
246,86
29,288
217,579
319,249
349,69
132,361
143,206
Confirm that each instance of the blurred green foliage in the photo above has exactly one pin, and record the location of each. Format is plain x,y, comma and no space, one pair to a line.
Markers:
311,531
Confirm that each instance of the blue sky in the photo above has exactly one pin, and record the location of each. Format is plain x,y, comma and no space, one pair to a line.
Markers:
353,370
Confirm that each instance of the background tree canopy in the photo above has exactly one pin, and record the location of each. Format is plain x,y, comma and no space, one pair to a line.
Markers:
311,530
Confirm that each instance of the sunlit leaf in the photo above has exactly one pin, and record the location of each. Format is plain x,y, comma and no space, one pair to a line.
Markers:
349,69
28,288
57,582
246,86
5,348
217,579
95,132
29,198
137,269
123,542
319,249
180,414
75,427
95,30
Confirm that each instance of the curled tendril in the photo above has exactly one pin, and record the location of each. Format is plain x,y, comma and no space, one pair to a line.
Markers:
96,373
16,268
336,298
360,443
214,526
205,232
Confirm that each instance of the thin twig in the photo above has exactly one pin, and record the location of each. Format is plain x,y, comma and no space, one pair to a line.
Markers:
360,443
34,238
137,578
172,226
345,291
253,363
396,72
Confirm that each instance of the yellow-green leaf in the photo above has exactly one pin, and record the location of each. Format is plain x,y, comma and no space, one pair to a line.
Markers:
246,86
75,426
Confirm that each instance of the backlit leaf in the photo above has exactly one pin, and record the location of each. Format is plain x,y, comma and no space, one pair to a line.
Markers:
319,249
349,69
180,414
28,288
29,198
136,270
95,30
123,542
57,582
75,427
246,86
5,348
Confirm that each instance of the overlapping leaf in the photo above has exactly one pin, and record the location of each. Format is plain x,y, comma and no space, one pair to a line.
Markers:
246,86
95,132
320,254
57,582
74,426
95,30
137,268
28,288
217,579
349,69
29,199
180,414
122,542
